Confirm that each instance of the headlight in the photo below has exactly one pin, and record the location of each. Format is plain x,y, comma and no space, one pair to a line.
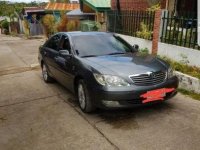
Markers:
170,73
109,80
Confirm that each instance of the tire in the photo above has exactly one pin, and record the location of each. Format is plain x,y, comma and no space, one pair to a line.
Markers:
84,99
45,74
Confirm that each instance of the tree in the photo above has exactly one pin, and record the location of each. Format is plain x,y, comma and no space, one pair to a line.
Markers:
12,10
49,24
153,2
60,1
62,25
6,9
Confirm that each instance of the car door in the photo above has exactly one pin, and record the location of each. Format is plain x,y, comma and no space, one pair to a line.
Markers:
65,63
50,52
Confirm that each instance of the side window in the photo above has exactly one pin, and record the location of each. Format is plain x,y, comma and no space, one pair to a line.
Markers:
53,42
65,44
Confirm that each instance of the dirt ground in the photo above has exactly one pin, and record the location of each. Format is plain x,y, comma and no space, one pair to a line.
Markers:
39,116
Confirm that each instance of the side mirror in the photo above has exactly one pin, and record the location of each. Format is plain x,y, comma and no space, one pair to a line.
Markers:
136,47
64,53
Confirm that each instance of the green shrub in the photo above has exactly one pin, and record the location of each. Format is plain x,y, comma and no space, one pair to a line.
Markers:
154,7
49,24
62,25
5,24
26,28
72,25
183,67
144,32
143,52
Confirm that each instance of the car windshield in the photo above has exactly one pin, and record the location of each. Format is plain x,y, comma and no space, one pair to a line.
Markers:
100,44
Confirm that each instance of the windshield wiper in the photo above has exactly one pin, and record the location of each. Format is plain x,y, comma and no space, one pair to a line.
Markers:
89,56
116,53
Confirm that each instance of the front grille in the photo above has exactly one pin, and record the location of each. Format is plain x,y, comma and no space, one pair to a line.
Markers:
150,78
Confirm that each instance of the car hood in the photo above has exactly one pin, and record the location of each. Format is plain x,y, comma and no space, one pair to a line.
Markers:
127,64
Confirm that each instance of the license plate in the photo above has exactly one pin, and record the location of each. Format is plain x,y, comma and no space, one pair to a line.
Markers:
156,95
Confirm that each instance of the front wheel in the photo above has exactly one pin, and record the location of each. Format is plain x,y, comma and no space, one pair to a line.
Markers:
84,98
45,74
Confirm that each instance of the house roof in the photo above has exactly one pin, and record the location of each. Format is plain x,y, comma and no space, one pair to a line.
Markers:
33,9
62,6
78,12
99,5
27,10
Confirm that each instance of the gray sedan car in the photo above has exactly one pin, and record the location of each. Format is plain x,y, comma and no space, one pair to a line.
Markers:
104,71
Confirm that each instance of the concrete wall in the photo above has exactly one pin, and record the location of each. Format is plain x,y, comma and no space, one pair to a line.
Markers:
188,82
141,42
176,52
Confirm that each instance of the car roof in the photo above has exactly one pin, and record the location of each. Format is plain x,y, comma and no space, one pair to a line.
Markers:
77,33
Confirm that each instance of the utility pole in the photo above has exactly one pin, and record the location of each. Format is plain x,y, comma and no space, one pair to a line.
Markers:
118,6
119,16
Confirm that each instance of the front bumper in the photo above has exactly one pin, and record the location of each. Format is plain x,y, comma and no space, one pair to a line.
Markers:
129,96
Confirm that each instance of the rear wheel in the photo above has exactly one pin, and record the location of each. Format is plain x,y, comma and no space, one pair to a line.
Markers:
45,74
84,98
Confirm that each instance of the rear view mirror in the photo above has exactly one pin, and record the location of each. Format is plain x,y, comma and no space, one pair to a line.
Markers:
64,53
136,47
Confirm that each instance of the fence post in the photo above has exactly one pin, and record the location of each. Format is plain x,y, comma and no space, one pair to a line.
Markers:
156,31
115,22
163,24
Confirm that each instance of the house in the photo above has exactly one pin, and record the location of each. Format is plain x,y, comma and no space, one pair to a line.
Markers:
57,8
99,8
175,6
180,6
77,14
140,5
74,1
33,16
28,12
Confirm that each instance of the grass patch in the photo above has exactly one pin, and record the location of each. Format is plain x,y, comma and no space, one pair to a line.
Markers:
190,94
184,68
143,52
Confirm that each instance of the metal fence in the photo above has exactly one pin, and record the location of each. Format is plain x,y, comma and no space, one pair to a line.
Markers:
133,23
180,30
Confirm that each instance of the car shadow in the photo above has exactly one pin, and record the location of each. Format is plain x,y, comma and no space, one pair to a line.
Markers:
124,119
127,118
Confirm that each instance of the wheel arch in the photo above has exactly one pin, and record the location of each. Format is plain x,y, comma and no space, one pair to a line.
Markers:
76,79
41,63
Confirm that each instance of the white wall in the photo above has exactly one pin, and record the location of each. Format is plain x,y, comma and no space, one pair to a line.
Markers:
188,82
175,53
141,42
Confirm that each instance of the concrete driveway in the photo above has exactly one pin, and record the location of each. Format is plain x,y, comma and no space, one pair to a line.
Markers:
39,116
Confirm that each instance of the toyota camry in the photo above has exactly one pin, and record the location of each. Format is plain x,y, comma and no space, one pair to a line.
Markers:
105,71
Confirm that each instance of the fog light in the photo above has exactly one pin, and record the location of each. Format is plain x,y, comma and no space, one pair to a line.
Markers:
111,103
